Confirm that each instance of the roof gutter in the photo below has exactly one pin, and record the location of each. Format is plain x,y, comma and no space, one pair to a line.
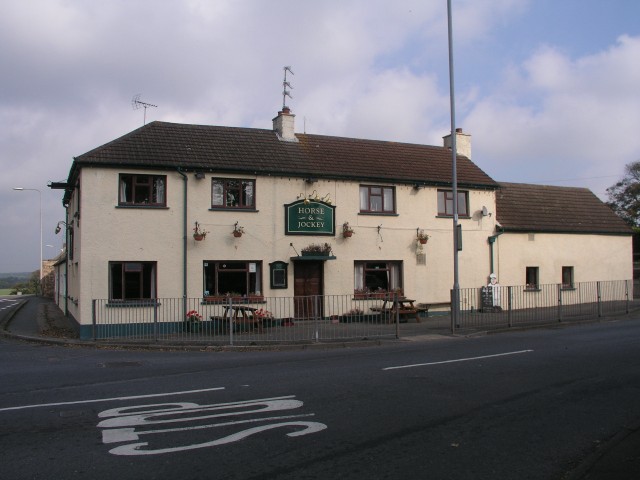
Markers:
416,182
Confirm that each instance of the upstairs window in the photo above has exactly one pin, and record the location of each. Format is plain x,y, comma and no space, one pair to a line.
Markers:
142,190
377,199
233,193
445,203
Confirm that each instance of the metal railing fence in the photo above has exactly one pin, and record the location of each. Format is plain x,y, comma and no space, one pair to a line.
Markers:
326,318
510,306
232,322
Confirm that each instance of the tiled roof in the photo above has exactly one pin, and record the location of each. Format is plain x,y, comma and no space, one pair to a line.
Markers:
540,208
257,151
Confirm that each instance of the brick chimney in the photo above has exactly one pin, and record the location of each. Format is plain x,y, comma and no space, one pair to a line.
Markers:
463,143
283,125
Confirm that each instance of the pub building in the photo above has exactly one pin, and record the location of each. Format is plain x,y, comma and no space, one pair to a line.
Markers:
195,211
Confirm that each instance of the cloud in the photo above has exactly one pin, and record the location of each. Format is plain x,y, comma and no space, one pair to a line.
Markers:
561,117
363,68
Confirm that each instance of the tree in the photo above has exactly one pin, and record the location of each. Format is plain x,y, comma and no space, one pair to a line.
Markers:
30,287
624,196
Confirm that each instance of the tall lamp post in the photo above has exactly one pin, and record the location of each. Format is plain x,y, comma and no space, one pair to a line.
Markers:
455,291
20,189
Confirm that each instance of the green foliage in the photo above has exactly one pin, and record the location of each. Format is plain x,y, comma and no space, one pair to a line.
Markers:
28,283
12,279
624,196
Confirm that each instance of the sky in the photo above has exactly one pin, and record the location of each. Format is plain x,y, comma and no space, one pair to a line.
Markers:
549,90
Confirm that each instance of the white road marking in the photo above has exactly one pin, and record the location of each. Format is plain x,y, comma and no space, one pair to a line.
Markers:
129,424
9,303
115,435
119,417
458,360
114,399
138,448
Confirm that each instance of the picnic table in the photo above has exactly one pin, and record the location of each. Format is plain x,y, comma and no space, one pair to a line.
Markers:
403,306
242,315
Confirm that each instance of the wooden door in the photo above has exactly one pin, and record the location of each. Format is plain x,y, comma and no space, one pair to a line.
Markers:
307,288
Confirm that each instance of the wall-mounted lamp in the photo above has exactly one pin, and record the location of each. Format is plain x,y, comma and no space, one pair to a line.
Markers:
311,180
199,175
58,227
418,186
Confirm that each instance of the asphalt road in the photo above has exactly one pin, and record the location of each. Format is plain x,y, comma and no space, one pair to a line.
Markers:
527,405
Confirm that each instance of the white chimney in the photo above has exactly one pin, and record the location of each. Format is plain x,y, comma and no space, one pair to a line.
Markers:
463,143
283,125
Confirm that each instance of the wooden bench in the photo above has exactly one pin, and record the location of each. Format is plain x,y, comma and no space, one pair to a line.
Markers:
426,306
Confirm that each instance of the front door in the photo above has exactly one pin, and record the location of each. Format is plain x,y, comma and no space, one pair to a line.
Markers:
307,288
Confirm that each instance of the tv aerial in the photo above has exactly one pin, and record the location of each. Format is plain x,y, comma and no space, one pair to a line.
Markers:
285,84
136,103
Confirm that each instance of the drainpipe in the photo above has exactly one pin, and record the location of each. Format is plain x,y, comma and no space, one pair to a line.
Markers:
492,239
184,239
66,262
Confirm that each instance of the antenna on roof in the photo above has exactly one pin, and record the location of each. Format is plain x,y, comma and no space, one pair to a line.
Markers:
285,84
136,103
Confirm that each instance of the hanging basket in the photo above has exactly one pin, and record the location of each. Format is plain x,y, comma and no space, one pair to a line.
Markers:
347,234
197,237
237,234
423,241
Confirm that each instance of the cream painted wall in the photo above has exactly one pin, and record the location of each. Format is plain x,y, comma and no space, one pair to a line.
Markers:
109,233
593,257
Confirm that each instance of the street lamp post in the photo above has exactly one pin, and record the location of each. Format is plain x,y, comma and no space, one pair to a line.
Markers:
21,189
455,291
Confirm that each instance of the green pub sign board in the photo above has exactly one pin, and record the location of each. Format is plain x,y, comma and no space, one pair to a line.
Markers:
310,218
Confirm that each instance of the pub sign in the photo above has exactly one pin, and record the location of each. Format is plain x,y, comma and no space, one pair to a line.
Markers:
309,217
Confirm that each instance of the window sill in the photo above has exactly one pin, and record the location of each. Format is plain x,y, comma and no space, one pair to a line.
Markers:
564,289
233,209
380,214
449,217
132,303
372,296
149,207
223,299
532,290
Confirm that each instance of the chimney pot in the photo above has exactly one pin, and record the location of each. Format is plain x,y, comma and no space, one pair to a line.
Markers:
283,125
463,143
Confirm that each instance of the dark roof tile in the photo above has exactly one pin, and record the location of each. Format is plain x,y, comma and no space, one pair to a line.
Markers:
256,151
541,208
